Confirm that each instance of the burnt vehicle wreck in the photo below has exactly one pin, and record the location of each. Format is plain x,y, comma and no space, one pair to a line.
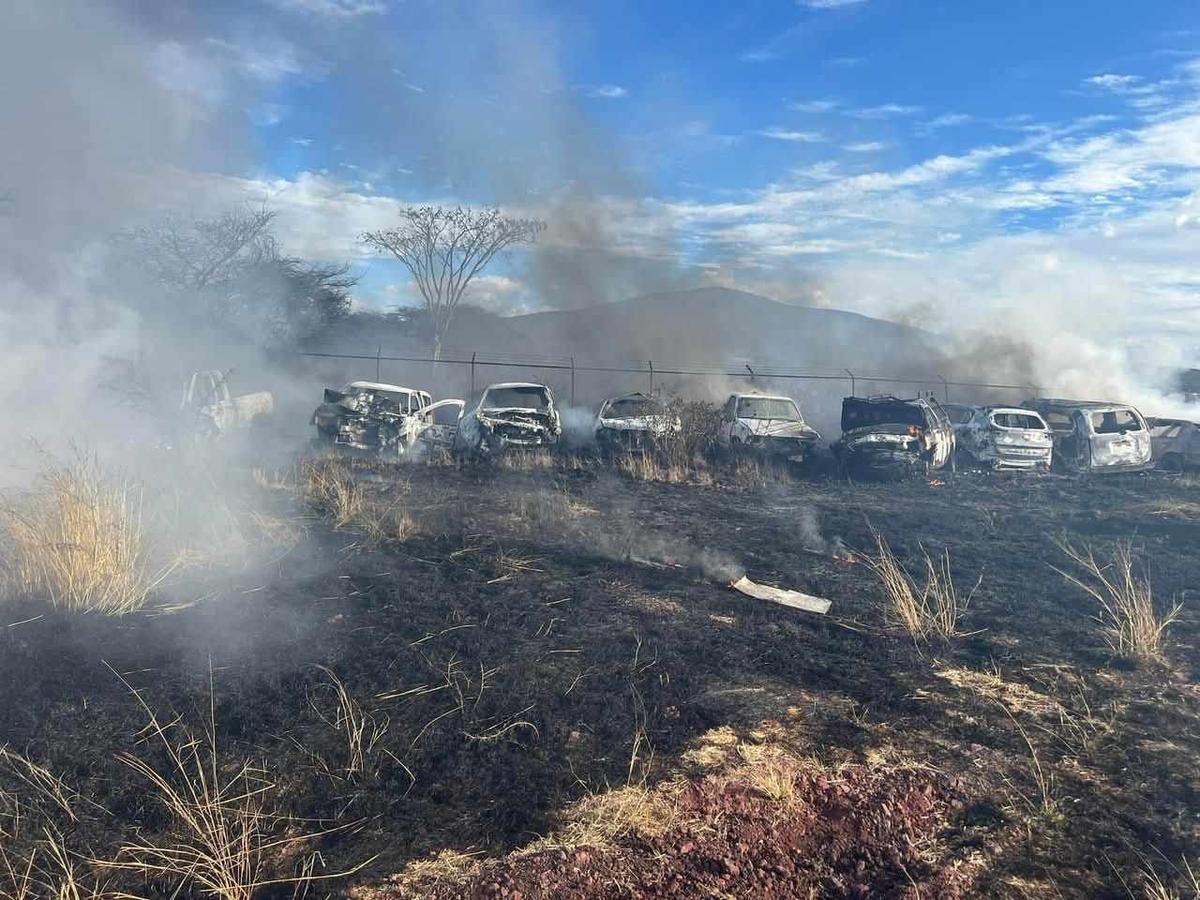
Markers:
633,423
764,425
889,436
386,419
1002,437
1175,444
1096,437
512,414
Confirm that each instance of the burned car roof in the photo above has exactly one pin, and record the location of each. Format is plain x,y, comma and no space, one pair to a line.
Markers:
1058,403
379,386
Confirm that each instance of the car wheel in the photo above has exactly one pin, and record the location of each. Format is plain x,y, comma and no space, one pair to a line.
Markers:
1172,462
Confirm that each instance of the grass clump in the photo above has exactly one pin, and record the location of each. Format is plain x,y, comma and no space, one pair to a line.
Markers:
1132,624
78,538
226,840
930,608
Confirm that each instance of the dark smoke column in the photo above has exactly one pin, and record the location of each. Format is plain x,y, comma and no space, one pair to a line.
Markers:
445,248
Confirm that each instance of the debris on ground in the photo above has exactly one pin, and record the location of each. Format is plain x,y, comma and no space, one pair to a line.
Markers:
793,599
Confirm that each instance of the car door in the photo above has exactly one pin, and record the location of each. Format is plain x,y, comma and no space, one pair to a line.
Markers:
728,419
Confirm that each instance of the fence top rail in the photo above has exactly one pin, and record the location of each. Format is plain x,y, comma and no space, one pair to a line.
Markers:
697,370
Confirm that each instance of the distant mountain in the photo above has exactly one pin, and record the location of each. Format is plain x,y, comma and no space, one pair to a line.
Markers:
713,326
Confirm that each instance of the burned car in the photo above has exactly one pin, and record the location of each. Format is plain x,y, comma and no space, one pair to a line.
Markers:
1096,437
1002,437
381,418
515,414
634,423
889,436
765,425
209,408
1174,444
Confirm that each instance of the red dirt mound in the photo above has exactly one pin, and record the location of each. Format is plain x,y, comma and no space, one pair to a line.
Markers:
862,832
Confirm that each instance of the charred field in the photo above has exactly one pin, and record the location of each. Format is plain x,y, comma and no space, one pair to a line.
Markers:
533,680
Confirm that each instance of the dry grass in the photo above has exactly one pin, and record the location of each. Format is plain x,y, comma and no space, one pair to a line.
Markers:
925,610
226,841
446,867
48,869
770,771
521,460
663,469
1157,887
605,818
35,806
78,538
334,488
361,730
1131,623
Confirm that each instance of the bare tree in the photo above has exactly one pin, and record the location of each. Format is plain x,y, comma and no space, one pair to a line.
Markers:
229,271
202,254
445,248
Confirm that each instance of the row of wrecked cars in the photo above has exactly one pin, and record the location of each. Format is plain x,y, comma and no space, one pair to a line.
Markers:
881,436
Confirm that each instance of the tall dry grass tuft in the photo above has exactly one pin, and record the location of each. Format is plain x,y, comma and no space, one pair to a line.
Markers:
662,468
1132,624
78,538
361,730
332,487
226,841
931,609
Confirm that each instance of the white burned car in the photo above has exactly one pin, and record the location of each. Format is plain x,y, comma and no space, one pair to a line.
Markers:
1096,437
1001,437
765,425
387,419
514,414
634,423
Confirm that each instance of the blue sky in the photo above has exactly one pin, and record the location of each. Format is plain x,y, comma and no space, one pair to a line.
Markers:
967,166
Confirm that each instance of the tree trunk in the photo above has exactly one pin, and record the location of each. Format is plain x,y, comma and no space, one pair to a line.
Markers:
437,358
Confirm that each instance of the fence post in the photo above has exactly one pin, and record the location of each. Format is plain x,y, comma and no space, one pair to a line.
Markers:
853,392
472,373
751,371
650,364
572,381
378,354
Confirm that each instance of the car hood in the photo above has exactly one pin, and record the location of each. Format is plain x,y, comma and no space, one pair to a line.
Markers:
657,424
783,428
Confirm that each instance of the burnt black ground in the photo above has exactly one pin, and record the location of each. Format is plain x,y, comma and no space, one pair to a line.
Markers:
539,619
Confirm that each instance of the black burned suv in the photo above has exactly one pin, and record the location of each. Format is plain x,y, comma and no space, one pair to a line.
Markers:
889,436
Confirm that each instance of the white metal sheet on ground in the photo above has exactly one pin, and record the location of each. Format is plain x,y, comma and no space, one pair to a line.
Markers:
793,599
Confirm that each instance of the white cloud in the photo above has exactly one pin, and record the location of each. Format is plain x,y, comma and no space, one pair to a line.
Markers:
796,137
762,54
885,111
606,91
830,4
1112,82
866,147
340,9
948,120
813,106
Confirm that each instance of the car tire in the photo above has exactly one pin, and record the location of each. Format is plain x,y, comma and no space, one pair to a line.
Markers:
1172,462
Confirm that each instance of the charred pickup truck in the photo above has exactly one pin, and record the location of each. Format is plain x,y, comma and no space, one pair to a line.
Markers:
386,419
1096,437
1002,437
515,414
1175,444
634,423
209,409
891,437
764,425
